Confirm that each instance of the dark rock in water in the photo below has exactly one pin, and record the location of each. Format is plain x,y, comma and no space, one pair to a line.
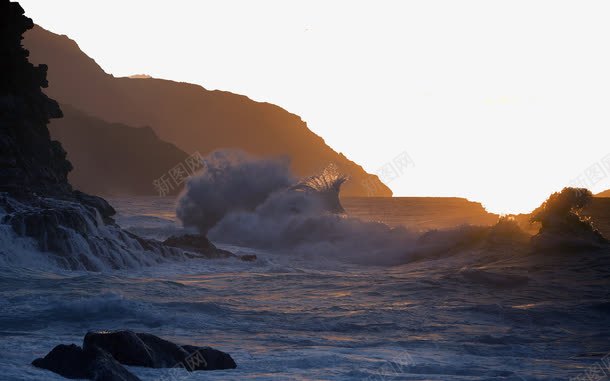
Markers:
213,359
71,361
142,349
198,244
103,367
194,241
102,206
65,360
248,257
127,348
76,237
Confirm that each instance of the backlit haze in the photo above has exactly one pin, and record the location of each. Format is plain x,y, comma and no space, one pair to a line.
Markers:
500,102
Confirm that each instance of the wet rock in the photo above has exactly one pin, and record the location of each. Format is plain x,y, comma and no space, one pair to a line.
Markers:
248,257
65,360
213,359
71,361
76,237
142,349
198,244
103,367
101,205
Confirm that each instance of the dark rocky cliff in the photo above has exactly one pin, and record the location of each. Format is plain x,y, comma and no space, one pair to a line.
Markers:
29,160
38,207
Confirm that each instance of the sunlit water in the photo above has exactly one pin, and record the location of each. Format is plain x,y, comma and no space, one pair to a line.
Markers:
284,318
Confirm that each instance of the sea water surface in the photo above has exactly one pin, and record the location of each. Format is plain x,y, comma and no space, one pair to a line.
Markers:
294,318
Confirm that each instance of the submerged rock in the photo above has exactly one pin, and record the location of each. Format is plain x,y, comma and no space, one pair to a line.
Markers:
195,243
142,349
248,257
71,361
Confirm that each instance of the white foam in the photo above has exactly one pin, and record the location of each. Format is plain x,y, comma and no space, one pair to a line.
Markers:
97,246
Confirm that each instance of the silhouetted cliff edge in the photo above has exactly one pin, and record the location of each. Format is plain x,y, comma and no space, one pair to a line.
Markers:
187,115
29,160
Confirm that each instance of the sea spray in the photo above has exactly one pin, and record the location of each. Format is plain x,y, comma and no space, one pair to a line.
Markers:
325,187
257,203
231,181
254,202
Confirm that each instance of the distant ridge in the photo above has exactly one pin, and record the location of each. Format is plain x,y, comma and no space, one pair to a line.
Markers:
189,116
605,193
112,158
420,213
140,76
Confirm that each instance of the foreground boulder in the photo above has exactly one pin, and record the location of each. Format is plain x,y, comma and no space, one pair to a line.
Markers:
71,361
142,349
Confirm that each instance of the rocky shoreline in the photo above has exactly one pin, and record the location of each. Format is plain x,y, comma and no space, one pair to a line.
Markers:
73,229
37,202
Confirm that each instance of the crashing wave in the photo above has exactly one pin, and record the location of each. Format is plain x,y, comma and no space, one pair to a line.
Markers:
563,226
258,203
231,180
326,186
71,236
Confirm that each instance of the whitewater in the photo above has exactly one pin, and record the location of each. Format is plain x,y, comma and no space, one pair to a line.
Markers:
293,318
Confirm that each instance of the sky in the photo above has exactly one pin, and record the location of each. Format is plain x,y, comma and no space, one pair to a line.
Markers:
502,102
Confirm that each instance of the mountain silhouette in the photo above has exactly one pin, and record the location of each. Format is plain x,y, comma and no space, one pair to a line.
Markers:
112,158
187,115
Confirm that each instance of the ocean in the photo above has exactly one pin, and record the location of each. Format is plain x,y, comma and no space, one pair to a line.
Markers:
478,314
